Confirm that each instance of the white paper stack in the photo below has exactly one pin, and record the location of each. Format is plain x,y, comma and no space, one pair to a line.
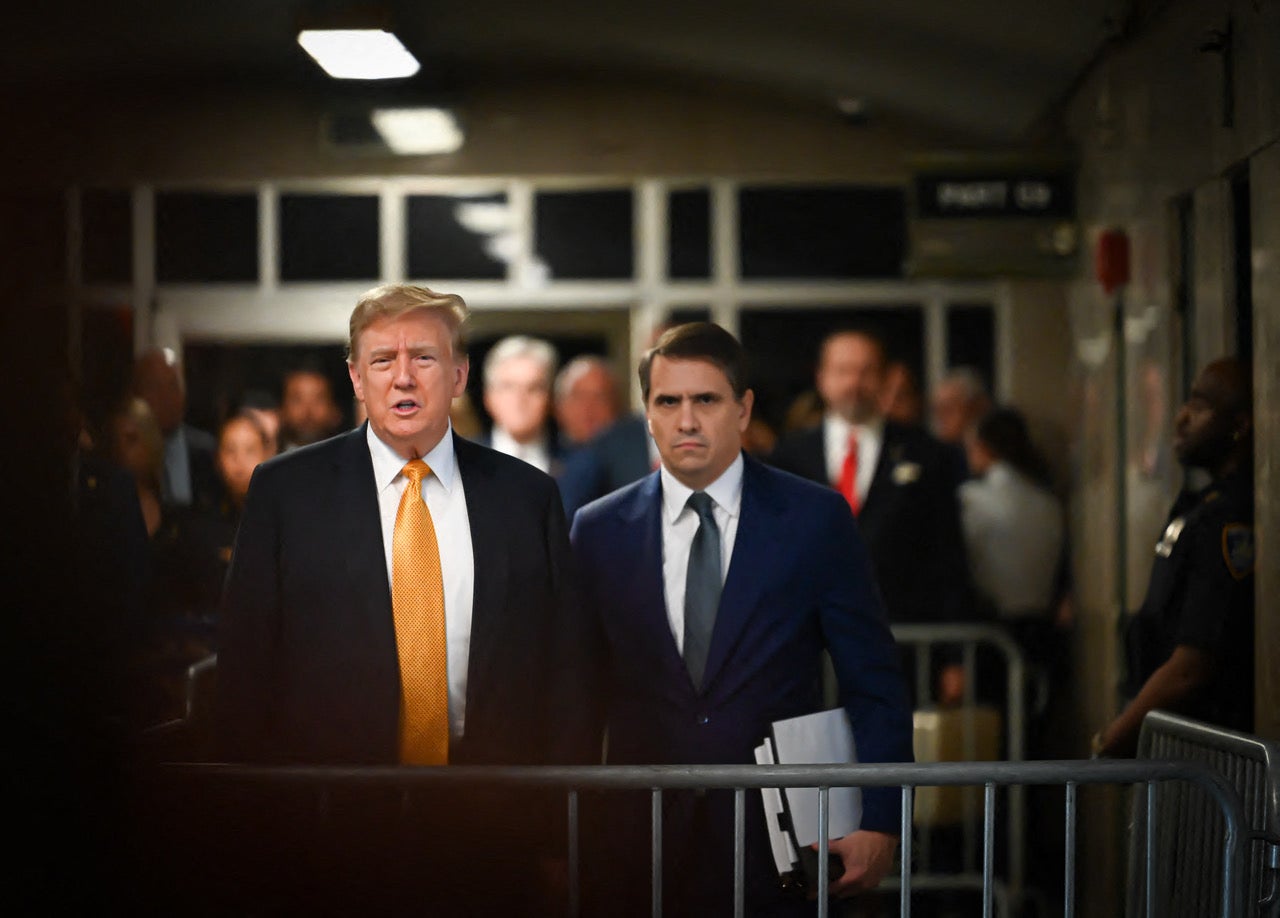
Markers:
824,738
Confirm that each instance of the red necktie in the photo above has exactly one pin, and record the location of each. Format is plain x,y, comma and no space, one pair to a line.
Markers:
849,474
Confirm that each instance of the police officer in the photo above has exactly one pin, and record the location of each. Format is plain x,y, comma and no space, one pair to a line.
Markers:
1191,645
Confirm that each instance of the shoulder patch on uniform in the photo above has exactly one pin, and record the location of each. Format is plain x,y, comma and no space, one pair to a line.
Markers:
1237,549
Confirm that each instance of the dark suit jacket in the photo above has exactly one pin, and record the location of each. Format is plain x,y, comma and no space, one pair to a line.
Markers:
307,667
202,449
910,520
616,457
308,673
799,582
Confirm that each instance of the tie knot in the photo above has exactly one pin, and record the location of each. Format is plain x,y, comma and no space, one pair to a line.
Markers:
701,503
853,441
416,470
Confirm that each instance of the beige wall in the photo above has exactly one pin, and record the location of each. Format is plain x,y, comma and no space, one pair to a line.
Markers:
1148,123
1265,179
547,127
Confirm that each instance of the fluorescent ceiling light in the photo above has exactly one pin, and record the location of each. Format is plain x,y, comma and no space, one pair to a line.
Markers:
418,131
359,54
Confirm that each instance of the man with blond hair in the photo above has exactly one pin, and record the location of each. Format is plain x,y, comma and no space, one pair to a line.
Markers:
399,595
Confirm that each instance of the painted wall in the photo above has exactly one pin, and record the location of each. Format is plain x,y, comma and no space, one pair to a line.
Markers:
1151,125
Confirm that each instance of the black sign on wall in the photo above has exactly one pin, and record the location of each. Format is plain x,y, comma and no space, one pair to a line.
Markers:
1020,195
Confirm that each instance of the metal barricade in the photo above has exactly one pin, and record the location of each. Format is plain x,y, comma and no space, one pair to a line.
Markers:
924,641
739,778
1183,873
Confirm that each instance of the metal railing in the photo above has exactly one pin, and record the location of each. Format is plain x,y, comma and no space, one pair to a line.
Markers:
740,778
1190,824
926,640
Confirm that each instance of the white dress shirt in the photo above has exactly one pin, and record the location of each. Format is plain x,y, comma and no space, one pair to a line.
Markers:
537,452
680,524
1013,531
443,492
835,438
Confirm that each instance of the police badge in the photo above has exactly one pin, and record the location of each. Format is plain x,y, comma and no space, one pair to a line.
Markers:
1237,549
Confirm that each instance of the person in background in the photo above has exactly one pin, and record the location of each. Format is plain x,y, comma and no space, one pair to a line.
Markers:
308,411
714,585
205,553
957,401
1191,644
192,555
1016,540
587,400
518,371
265,409
188,477
135,443
1014,529
900,399
896,480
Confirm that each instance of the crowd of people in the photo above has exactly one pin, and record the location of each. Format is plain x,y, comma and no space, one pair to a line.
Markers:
666,579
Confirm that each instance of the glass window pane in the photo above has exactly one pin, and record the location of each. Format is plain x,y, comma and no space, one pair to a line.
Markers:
202,236
971,339
106,253
585,235
783,346
679,315
328,237
459,236
822,232
689,234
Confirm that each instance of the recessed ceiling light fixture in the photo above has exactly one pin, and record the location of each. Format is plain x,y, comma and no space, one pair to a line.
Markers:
359,54
418,131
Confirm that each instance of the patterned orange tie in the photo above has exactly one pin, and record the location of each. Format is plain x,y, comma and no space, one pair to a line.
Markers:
848,483
417,604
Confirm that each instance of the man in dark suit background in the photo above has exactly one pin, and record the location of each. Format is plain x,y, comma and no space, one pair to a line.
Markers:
715,583
902,487
190,478
616,455
314,664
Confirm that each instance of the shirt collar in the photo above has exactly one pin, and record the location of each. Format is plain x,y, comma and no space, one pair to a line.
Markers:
387,463
838,424
503,442
726,490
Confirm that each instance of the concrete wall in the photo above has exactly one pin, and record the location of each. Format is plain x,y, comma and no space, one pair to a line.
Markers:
1149,124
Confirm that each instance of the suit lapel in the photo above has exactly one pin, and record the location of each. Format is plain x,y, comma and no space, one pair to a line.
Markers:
491,561
647,595
882,481
756,543
356,497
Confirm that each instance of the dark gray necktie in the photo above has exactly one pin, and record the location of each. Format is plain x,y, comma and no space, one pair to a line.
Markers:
702,587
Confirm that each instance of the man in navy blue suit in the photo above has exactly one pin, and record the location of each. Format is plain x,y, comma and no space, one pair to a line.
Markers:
693,667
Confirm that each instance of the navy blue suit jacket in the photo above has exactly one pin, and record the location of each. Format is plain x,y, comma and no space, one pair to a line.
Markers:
616,457
799,582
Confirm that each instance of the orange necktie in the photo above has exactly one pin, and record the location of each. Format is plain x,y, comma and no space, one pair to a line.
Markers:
417,604
849,474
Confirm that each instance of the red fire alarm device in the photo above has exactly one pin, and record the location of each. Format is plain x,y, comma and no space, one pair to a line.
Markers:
1112,262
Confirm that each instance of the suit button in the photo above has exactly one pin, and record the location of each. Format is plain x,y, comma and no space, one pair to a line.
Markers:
703,720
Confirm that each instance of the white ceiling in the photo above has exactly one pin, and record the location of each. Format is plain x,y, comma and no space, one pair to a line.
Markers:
985,69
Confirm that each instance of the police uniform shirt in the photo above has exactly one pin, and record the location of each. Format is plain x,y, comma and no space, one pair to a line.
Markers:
1201,595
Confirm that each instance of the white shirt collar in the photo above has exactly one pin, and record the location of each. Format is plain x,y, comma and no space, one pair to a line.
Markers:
841,427
503,442
726,490
387,463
